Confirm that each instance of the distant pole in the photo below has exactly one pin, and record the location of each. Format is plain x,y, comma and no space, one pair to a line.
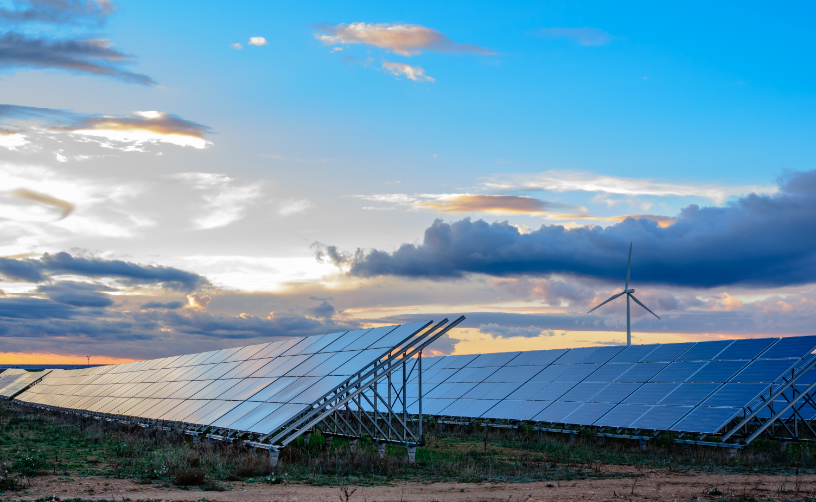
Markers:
89,357
628,324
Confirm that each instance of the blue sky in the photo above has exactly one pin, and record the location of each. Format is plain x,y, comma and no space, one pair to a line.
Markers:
328,132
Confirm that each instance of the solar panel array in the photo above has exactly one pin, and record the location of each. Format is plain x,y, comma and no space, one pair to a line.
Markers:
13,380
256,388
688,387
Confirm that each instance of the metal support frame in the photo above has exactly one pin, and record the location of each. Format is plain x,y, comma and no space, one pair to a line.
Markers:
383,416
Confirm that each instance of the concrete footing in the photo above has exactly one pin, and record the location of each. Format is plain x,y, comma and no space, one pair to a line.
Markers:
274,456
196,439
352,445
732,453
329,441
783,445
686,448
643,444
307,437
572,438
412,454
381,449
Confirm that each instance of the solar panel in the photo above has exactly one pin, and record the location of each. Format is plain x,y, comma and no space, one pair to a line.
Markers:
706,420
746,349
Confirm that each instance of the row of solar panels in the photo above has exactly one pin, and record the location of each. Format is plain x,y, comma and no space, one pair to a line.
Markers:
13,380
256,388
689,387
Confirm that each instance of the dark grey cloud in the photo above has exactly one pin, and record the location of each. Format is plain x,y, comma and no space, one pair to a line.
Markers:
77,294
58,12
34,308
162,305
74,55
127,273
323,311
756,241
20,270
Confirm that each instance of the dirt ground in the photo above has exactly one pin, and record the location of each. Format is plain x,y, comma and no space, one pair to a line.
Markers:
656,484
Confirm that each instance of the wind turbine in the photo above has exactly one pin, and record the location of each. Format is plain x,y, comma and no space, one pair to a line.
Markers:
629,294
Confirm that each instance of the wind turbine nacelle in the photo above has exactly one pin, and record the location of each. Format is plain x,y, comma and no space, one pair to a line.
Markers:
629,291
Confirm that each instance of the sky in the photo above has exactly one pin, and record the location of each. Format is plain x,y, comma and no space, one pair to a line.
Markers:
180,177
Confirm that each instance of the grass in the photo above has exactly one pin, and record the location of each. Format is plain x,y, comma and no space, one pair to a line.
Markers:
39,443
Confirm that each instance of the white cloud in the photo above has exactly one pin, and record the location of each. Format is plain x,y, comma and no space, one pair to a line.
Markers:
258,41
237,46
12,141
402,39
226,202
569,181
415,73
294,206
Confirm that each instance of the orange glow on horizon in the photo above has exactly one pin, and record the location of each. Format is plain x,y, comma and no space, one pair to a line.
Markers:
12,358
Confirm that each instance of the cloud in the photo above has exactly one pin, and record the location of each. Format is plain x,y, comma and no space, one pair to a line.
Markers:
402,39
567,181
138,129
237,46
294,206
162,305
93,12
323,311
80,56
39,270
756,241
226,202
65,207
77,294
21,270
198,302
583,36
258,41
415,73
505,332
12,140
474,203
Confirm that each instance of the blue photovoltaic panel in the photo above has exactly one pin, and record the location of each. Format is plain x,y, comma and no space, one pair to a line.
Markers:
583,391
556,412
689,394
704,351
575,356
641,372
622,415
634,353
678,372
553,391
527,410
609,372
794,346
746,349
479,408
736,395
651,393
538,357
706,420
717,371
615,392
661,417
588,413
577,373
602,355
765,370
666,353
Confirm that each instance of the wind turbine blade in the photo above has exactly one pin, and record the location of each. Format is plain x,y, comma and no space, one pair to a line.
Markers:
628,266
607,301
644,306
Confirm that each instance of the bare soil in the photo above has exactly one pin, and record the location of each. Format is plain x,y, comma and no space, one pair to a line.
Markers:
643,485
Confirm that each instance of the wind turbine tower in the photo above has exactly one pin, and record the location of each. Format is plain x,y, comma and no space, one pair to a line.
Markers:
629,294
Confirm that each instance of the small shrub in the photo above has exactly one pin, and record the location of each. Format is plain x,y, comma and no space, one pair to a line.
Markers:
189,477
8,484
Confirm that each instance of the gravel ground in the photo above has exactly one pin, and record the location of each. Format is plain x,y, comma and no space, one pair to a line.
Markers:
647,485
